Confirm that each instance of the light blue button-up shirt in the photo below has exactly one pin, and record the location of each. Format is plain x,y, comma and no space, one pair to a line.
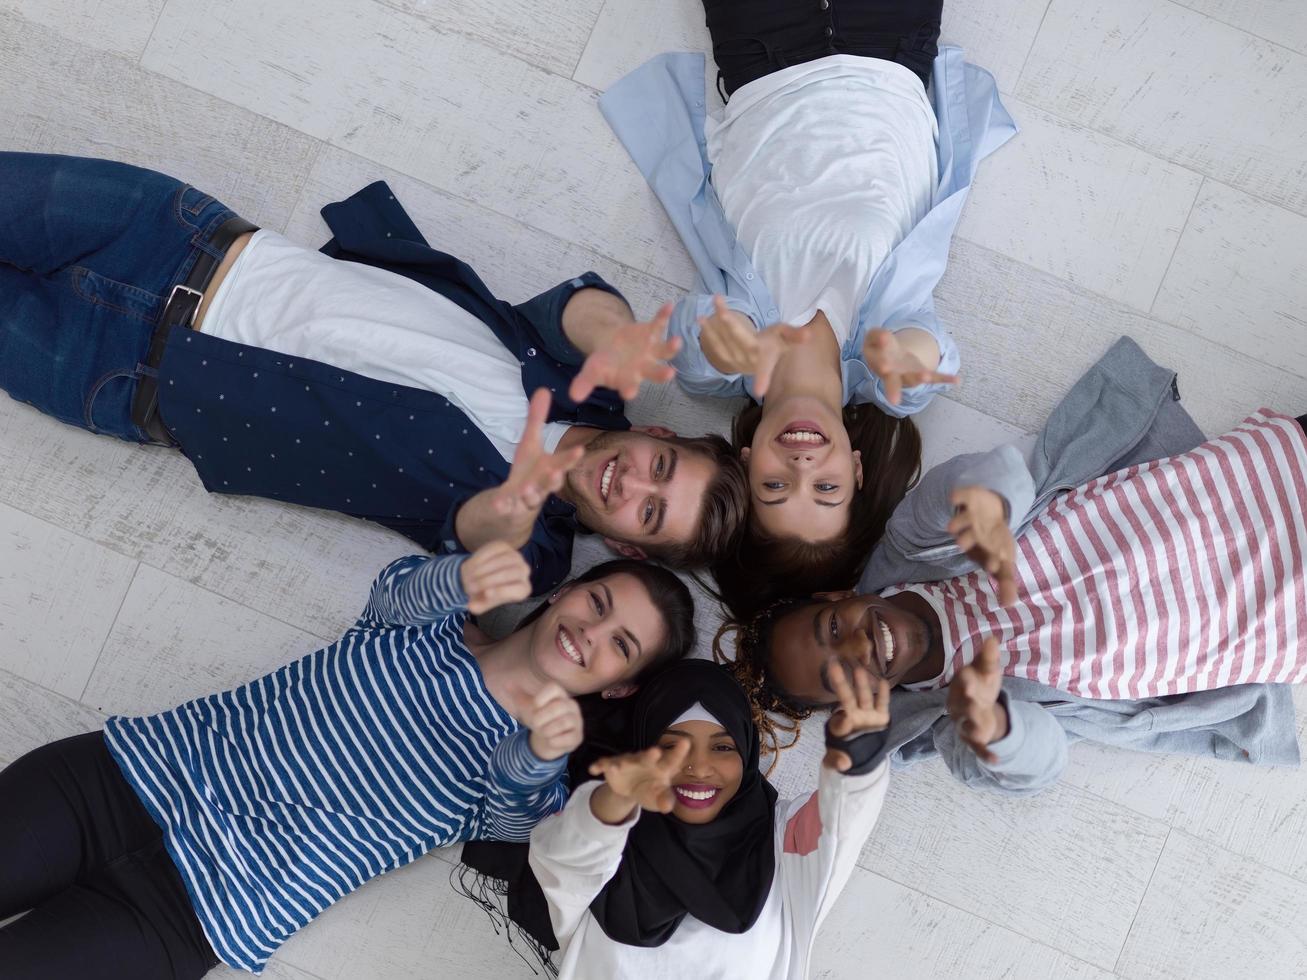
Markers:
658,113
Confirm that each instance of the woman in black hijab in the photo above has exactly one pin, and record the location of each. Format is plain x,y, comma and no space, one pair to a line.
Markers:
683,860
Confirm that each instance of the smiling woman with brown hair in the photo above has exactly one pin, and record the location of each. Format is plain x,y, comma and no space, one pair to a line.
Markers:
818,206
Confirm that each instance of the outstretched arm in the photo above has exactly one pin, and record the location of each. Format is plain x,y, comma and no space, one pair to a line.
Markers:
992,742
508,512
619,352
904,358
824,836
421,589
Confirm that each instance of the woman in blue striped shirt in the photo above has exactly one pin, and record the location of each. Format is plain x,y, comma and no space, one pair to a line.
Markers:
214,831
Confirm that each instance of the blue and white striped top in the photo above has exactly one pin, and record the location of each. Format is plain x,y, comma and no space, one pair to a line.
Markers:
280,797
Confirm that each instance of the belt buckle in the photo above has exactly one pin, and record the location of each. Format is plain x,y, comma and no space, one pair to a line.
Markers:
199,298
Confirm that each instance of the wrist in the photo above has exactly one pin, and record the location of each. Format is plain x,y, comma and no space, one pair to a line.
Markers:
1002,725
543,752
610,807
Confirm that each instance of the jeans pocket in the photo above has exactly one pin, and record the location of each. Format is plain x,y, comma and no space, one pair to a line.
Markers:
190,204
118,296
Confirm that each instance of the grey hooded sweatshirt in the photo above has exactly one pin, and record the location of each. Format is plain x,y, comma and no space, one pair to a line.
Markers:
1124,410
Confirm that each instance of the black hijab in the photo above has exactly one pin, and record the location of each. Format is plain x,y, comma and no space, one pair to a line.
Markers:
720,872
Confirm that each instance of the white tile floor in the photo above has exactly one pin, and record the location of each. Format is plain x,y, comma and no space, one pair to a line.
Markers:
1159,189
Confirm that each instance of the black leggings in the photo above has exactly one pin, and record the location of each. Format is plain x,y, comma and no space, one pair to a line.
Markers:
79,850
753,38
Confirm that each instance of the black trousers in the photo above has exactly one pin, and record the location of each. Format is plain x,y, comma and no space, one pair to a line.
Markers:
79,850
753,38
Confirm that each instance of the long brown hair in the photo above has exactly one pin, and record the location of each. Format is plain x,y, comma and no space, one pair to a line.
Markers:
765,567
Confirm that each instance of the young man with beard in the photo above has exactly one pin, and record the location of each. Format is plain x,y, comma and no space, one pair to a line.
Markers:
379,377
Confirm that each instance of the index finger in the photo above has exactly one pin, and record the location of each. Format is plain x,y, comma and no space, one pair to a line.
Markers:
537,413
1007,583
987,659
673,758
584,384
839,683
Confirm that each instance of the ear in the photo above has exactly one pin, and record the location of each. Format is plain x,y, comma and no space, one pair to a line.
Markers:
834,596
745,453
561,591
626,550
619,691
657,431
857,468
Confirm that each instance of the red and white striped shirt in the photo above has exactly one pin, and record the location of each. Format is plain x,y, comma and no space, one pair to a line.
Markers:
1179,575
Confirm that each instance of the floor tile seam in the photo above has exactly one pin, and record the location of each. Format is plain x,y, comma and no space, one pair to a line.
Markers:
21,680
1120,304
109,632
1135,144
142,562
1193,206
981,917
1242,30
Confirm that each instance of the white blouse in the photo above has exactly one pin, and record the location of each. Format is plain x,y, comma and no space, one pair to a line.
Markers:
818,840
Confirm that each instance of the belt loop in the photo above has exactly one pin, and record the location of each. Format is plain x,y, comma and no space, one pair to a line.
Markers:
721,88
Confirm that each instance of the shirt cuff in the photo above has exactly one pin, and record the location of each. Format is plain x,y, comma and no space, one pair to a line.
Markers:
521,769
592,825
1007,747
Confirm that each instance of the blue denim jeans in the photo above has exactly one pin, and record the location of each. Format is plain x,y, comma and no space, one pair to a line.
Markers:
89,253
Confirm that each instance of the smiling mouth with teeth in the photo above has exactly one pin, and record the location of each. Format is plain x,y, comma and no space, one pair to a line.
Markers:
887,641
568,648
800,438
696,795
606,480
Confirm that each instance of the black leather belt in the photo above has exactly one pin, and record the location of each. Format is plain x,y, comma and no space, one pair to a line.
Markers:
183,303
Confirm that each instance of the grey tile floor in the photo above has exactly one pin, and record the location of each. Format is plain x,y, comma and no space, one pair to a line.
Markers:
1159,189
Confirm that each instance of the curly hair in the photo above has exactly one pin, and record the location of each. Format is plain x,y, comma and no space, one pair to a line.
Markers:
776,713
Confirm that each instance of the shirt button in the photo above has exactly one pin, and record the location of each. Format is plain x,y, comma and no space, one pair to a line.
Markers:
830,31
825,4
749,276
530,352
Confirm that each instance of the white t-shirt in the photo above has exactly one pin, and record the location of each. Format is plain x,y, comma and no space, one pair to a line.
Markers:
822,168
283,297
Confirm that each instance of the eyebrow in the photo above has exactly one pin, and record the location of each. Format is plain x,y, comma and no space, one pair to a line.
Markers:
818,633
671,466
825,678
659,519
781,500
639,648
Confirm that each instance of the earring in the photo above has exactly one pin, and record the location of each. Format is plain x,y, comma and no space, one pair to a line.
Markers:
607,695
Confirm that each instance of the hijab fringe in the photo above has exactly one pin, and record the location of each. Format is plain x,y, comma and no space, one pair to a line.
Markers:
491,894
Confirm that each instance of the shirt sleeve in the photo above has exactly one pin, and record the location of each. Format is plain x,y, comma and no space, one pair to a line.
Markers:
822,838
544,313
521,789
913,400
417,590
693,370
920,523
573,855
1030,757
